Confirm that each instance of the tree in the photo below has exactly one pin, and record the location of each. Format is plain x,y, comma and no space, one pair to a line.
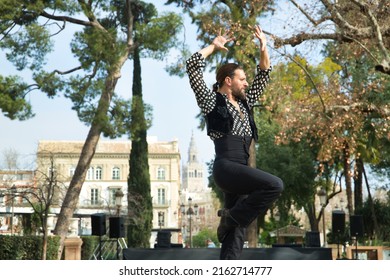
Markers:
41,193
336,106
10,159
102,43
201,239
382,210
295,163
43,196
362,23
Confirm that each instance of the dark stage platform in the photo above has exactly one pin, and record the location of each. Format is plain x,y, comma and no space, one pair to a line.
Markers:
276,253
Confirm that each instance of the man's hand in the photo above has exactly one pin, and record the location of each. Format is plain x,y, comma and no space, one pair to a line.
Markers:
261,36
220,41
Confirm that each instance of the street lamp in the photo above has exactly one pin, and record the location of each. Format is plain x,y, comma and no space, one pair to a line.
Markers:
323,199
189,213
118,201
277,219
13,191
160,219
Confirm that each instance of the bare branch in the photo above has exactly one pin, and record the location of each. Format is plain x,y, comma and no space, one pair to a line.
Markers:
377,30
308,75
312,20
373,32
66,18
362,107
61,28
69,71
339,20
9,30
302,37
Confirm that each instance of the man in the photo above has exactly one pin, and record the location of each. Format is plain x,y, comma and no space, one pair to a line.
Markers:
247,191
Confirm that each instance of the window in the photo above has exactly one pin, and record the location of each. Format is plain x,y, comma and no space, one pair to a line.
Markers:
160,173
161,219
90,174
98,173
161,196
111,198
71,171
116,173
94,196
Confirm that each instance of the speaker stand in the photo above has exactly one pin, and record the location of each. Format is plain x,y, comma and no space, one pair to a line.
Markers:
338,246
100,247
354,238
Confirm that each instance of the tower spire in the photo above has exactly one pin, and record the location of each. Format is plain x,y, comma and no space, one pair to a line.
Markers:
192,150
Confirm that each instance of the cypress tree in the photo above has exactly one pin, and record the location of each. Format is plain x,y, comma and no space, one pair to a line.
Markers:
140,207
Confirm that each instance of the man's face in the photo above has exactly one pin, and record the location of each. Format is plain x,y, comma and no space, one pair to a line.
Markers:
239,84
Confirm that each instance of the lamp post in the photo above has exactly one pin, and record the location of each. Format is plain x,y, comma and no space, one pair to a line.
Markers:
160,219
13,191
323,198
118,201
277,219
189,213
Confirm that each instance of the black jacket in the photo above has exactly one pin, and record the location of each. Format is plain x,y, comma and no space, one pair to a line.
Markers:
220,120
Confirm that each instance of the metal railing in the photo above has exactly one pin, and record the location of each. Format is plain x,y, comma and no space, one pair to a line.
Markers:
109,248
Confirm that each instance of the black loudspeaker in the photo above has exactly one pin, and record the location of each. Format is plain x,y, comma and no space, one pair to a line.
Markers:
117,227
338,222
312,239
356,225
98,224
163,239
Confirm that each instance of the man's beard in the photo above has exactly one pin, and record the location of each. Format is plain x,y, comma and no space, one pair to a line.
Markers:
239,94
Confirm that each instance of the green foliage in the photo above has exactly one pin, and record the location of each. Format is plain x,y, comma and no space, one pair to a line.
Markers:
49,83
90,243
27,247
139,197
12,102
99,44
382,213
28,47
294,163
201,238
97,49
237,16
159,35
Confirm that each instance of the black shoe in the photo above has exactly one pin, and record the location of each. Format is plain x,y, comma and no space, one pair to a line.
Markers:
226,225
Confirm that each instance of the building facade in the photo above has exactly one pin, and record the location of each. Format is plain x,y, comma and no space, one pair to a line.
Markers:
107,174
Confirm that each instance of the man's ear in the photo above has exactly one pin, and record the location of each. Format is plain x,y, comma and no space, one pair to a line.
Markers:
228,81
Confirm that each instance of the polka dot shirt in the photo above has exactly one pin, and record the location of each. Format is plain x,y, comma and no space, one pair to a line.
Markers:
206,98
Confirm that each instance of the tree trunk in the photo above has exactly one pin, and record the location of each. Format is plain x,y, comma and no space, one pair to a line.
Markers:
358,182
348,178
371,202
311,214
44,243
88,151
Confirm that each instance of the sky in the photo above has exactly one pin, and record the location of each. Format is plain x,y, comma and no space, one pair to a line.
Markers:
172,100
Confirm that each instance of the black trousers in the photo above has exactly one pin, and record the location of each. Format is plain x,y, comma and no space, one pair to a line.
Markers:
248,191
